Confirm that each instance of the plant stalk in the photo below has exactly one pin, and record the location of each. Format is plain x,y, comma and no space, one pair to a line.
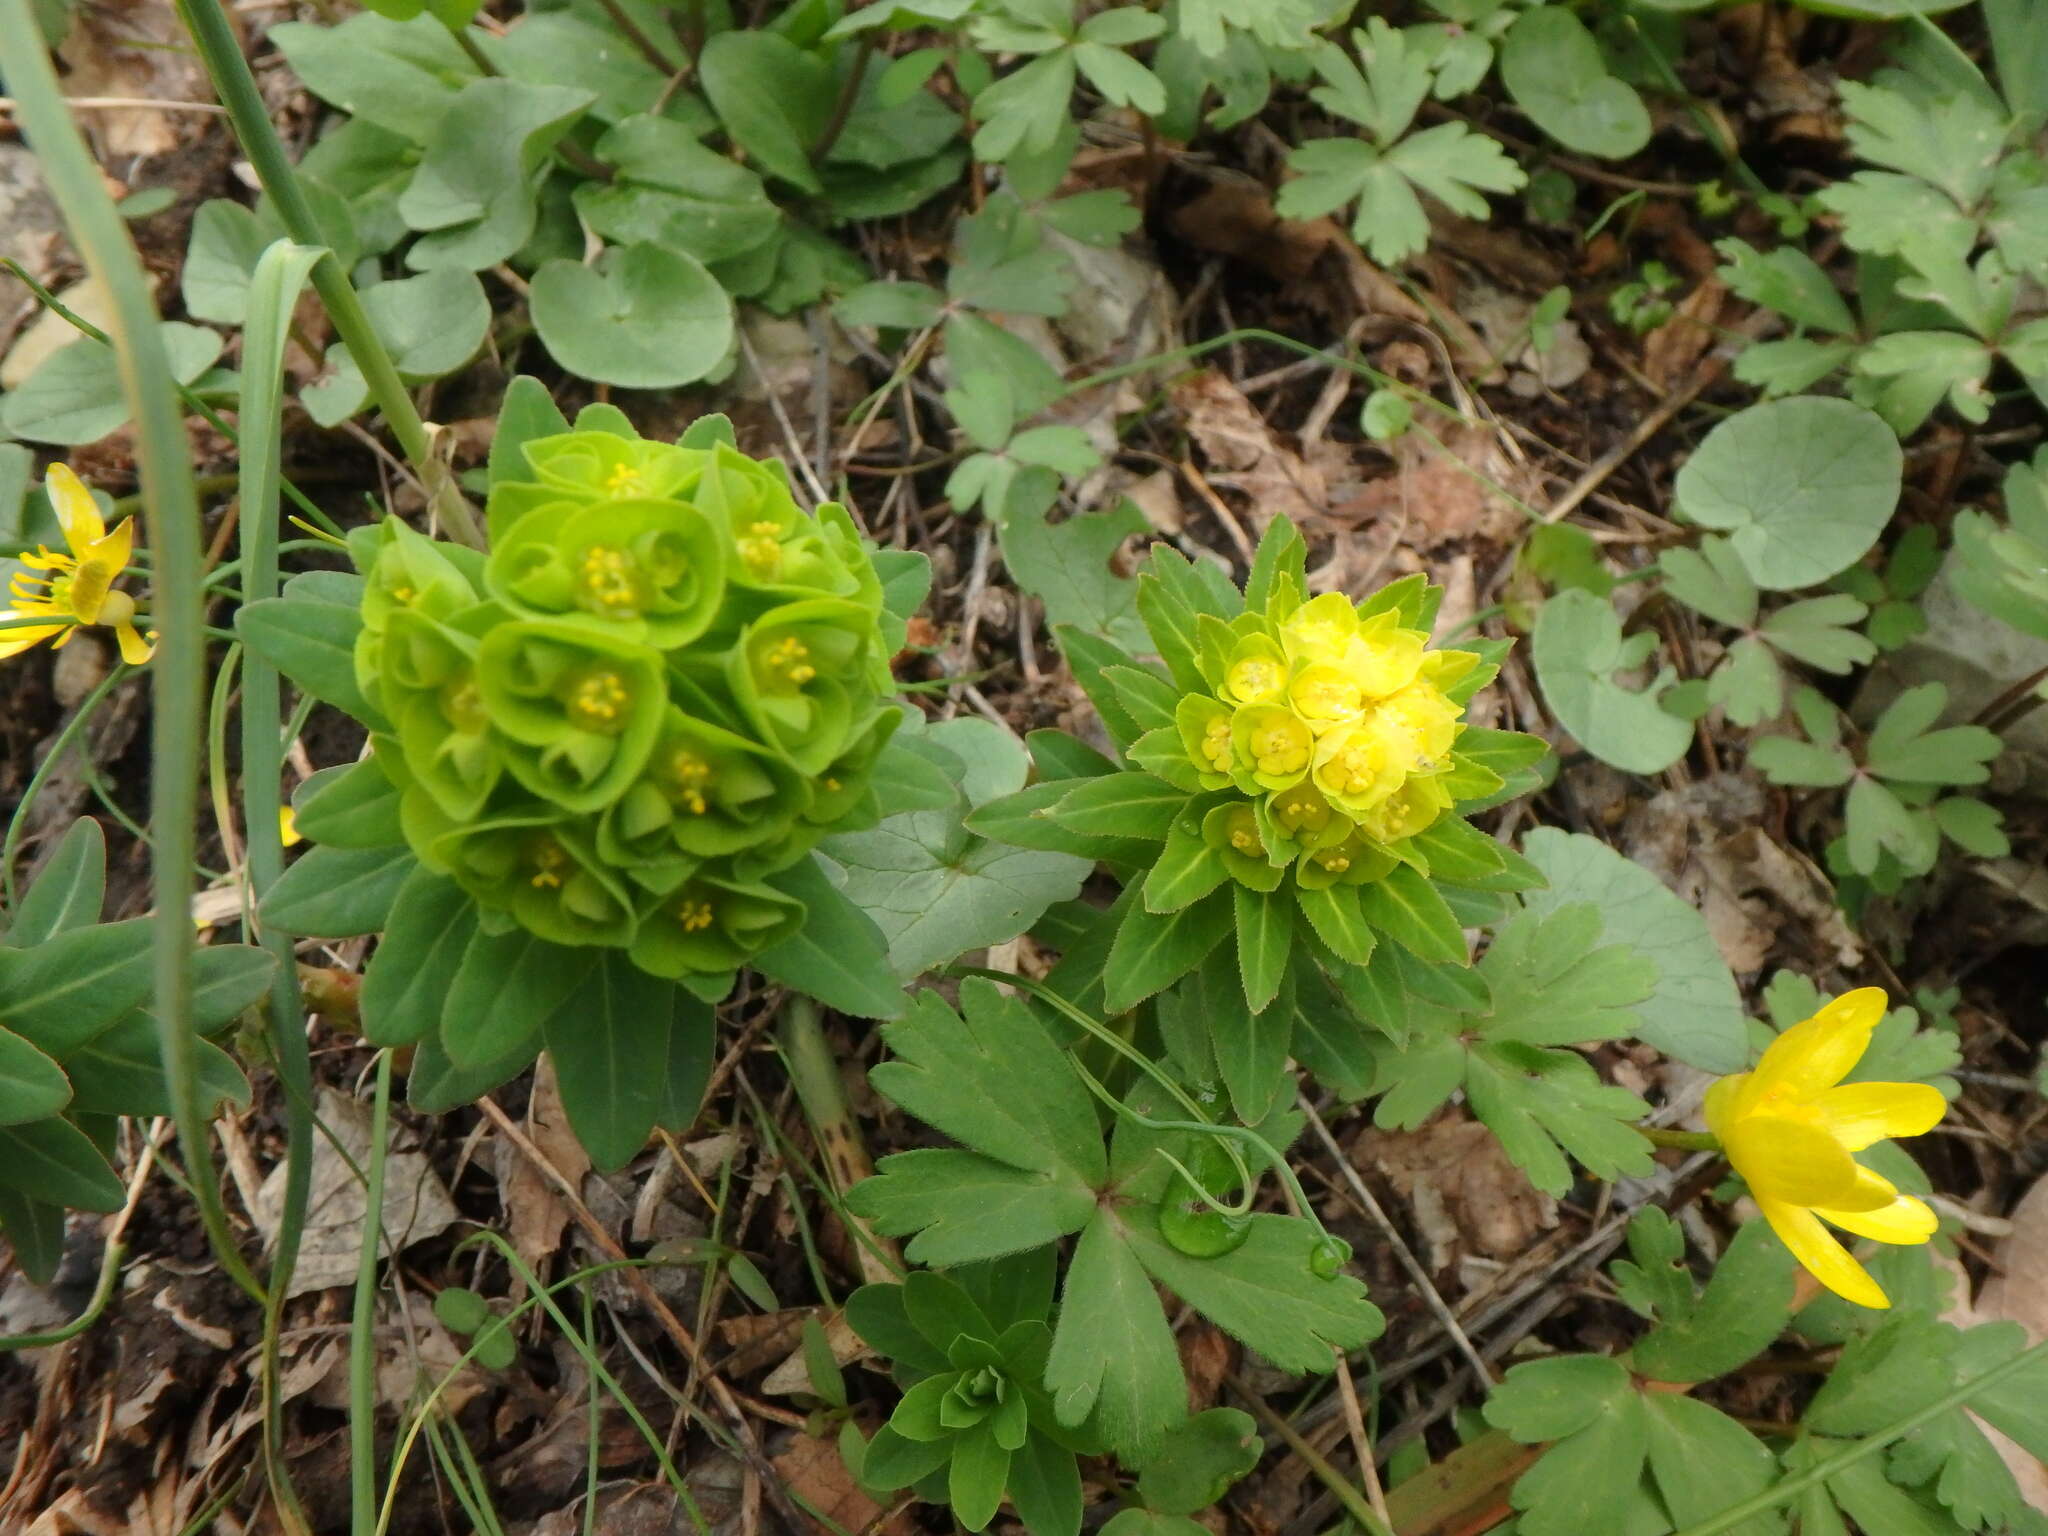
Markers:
1833,1466
814,1073
362,1333
236,86
171,513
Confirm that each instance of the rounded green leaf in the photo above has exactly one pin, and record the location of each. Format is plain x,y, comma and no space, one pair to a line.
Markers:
1803,487
643,318
1552,67
1579,652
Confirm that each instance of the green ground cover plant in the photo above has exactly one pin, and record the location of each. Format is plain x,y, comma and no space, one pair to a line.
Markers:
639,773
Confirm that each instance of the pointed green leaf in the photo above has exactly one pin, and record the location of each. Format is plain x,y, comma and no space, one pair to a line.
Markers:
1409,910
32,1086
313,644
838,956
1113,1356
337,893
1153,950
68,891
52,1160
429,930
507,987
605,1040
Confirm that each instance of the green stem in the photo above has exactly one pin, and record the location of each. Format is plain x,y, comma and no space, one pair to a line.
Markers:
1833,1466
171,507
849,93
274,288
236,86
362,1333
110,1270
1684,1141
207,485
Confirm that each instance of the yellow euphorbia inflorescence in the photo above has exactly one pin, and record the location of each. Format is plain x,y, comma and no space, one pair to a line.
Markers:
1337,725
78,585
1790,1128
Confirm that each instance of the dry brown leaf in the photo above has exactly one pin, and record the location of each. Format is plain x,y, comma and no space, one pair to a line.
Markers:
1673,349
1205,1358
812,1470
535,1213
1463,1192
133,49
794,1374
1705,841
416,1202
1244,453
1236,219
1439,495
2019,1291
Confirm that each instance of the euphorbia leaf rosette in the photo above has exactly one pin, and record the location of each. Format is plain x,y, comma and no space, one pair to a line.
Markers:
579,708
1297,757
542,868
654,570
711,924
624,725
581,469
706,793
806,676
425,679
1791,1127
776,549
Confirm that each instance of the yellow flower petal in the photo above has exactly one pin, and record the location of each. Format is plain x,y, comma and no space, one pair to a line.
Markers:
1787,1160
1721,1101
1823,1258
77,513
1858,1114
1821,1051
1871,1192
1905,1220
134,649
113,549
287,826
14,641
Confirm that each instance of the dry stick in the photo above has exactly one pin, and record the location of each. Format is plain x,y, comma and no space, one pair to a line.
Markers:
1361,1443
1368,1518
728,1400
1400,1246
1660,416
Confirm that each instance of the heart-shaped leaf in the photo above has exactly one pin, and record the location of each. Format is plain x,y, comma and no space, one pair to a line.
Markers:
643,318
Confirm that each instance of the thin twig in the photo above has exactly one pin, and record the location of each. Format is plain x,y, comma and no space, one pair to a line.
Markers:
1361,1443
1402,1251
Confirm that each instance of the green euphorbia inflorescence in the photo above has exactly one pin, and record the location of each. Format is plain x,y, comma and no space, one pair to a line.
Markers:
662,686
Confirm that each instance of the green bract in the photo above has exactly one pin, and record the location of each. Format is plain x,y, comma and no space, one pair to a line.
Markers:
663,685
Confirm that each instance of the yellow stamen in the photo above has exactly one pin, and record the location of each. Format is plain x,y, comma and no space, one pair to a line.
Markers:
790,657
688,774
599,700
761,548
608,580
1216,744
549,860
694,915
624,480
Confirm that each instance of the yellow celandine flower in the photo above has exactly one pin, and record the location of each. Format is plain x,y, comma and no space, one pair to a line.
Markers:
80,583
1790,1126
